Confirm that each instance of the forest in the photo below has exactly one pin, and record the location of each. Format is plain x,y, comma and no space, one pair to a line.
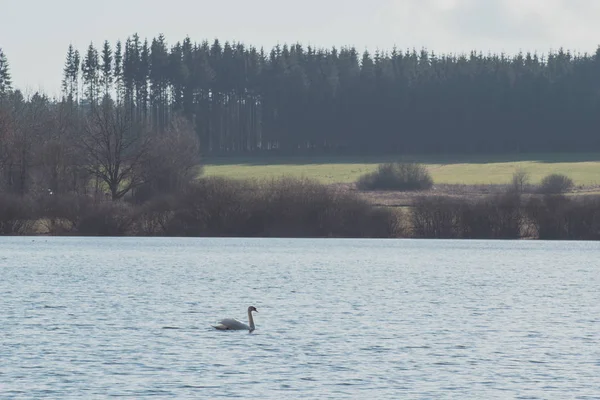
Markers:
135,119
291,98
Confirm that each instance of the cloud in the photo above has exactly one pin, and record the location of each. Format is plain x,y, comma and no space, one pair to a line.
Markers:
495,25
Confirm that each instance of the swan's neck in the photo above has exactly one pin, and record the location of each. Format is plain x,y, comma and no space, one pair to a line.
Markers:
250,320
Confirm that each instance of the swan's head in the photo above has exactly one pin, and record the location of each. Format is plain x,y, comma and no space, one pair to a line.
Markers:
252,308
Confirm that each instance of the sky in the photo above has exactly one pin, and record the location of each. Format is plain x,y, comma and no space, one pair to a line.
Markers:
35,34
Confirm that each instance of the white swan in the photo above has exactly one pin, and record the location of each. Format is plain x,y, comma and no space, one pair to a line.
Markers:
230,324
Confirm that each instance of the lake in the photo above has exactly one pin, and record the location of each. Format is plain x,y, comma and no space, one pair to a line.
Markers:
365,319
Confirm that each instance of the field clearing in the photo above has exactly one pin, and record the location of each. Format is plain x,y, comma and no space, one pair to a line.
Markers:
584,169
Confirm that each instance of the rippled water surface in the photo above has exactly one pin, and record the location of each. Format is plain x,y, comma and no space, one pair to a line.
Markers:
366,319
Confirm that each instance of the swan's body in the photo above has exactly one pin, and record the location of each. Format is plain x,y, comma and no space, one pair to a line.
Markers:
230,324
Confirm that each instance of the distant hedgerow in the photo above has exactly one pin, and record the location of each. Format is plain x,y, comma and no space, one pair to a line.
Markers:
397,176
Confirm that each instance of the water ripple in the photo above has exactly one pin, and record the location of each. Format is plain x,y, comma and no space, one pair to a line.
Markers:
130,317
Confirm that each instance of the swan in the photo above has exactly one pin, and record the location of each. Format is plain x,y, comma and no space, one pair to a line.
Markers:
230,324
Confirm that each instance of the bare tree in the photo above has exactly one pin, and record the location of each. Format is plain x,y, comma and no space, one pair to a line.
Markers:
61,166
114,147
21,129
6,132
173,159
520,180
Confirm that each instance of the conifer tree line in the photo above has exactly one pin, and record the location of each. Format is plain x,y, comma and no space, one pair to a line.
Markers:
5,79
293,98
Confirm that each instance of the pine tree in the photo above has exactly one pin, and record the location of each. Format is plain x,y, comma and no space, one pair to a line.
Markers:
118,72
179,76
75,74
91,75
130,65
5,79
70,81
217,97
143,73
106,67
254,64
67,85
199,92
159,81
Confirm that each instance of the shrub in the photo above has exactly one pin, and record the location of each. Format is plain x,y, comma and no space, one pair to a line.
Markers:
154,216
277,208
497,216
111,218
436,217
16,215
210,207
563,218
397,176
300,207
62,212
556,184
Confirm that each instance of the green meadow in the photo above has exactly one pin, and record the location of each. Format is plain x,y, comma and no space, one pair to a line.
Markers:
583,168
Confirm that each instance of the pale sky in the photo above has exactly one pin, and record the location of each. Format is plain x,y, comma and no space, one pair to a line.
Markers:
35,34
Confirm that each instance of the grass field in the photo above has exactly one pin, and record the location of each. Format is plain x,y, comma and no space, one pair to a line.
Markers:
583,168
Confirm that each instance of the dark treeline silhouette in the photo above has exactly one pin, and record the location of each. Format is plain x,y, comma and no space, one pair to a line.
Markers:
293,98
